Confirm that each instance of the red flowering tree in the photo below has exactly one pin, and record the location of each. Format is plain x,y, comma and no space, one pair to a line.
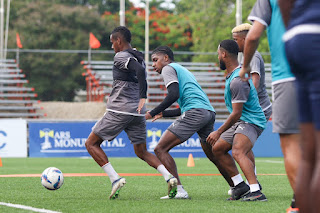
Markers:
166,28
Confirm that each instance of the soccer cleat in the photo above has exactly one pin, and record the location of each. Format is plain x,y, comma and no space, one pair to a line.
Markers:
292,210
239,191
230,190
116,186
172,187
255,196
179,195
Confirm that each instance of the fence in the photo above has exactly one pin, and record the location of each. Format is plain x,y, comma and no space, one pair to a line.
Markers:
99,83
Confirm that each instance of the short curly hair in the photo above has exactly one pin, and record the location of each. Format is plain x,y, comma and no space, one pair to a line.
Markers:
125,32
165,50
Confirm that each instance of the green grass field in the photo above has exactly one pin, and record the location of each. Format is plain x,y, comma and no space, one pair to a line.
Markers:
140,194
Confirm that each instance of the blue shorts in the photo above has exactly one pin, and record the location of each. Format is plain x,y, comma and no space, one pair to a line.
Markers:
303,52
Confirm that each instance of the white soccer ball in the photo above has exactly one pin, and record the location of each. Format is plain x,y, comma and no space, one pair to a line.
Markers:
52,178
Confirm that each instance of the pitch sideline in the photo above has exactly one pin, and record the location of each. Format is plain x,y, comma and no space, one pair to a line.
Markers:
121,174
18,206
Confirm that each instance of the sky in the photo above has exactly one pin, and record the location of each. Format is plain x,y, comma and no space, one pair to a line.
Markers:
138,3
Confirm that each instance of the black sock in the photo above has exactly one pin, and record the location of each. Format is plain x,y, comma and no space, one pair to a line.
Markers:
293,202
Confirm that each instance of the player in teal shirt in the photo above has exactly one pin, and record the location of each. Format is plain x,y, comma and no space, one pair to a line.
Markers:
241,129
196,115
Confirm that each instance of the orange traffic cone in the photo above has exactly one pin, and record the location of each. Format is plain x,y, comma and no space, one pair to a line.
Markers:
0,163
190,161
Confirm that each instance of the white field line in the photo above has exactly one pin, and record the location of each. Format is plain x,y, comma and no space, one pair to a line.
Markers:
269,161
18,206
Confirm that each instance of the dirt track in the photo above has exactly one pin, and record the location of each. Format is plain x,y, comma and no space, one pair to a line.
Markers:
72,110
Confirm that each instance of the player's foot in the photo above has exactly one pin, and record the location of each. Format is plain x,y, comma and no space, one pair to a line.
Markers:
179,195
116,186
260,187
239,191
255,196
292,210
230,190
172,187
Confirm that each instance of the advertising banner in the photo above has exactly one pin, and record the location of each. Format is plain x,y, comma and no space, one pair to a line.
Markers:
67,139
13,138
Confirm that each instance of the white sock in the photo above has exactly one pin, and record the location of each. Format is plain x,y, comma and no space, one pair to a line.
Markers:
254,187
165,173
237,179
255,172
180,188
113,175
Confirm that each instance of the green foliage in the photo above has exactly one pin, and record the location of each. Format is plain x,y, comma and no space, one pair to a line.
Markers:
42,25
165,29
212,22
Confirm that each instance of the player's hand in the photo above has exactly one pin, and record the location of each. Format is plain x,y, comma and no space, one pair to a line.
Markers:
148,116
157,116
213,137
245,73
141,104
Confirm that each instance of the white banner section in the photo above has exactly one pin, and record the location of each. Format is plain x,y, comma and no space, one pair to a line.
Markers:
13,138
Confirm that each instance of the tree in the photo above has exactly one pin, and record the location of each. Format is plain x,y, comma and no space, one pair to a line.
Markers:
212,22
166,28
45,26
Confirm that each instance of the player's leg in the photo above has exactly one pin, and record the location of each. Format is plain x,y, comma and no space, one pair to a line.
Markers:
181,130
285,122
306,170
107,128
207,148
246,135
314,97
136,132
220,150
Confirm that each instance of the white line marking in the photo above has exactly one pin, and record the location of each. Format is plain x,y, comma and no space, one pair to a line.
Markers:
269,161
18,206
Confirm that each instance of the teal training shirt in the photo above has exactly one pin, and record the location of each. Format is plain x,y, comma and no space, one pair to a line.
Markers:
191,94
252,111
267,12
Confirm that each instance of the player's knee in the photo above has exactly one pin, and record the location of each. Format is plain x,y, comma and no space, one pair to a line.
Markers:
217,151
237,154
88,144
139,153
158,150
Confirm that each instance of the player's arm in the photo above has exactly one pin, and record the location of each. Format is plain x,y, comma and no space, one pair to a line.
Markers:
285,7
260,15
250,46
239,95
172,96
232,119
141,76
255,71
255,80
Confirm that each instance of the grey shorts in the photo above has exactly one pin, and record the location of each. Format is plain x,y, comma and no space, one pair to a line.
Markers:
112,124
285,108
192,121
240,127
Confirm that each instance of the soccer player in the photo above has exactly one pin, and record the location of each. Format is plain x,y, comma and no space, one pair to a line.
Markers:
125,111
266,15
197,114
241,129
302,42
257,72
